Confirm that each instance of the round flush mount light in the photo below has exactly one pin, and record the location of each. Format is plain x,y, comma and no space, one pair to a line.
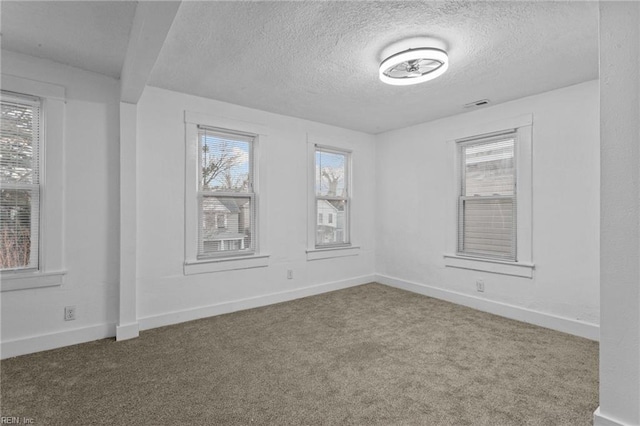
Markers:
413,66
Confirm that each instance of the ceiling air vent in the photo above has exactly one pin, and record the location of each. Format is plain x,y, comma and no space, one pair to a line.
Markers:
476,104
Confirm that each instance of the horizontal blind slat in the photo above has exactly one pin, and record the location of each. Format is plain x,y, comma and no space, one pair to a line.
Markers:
19,181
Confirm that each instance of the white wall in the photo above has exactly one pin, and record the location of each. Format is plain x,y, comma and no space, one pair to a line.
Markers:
398,191
165,294
620,211
31,318
414,181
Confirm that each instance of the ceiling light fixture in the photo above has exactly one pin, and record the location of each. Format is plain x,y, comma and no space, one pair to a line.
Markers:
414,66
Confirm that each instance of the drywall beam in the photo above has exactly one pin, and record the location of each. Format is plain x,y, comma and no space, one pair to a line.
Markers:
127,327
619,214
151,25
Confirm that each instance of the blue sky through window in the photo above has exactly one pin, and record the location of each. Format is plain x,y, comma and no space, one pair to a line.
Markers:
225,161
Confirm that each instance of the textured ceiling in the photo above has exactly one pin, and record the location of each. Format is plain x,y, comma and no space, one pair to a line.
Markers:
85,34
319,60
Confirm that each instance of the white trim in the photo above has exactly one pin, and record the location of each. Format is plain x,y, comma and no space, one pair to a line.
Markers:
493,127
542,319
44,342
127,331
219,264
600,419
249,303
518,269
332,252
329,148
219,121
32,87
11,281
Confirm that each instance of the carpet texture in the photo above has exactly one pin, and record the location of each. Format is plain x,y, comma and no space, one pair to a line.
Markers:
365,355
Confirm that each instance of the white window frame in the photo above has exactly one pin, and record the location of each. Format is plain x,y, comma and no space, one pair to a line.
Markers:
33,188
232,260
317,251
480,140
50,271
230,194
522,265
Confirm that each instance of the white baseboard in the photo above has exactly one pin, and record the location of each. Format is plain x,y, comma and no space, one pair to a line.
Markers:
127,331
59,339
600,419
44,342
177,317
542,319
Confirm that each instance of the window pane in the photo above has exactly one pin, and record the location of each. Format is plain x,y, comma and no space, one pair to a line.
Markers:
19,179
225,160
18,139
330,174
489,168
488,227
330,228
18,216
226,224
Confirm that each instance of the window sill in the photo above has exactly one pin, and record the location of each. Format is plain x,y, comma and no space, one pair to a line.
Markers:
331,252
517,269
225,264
12,281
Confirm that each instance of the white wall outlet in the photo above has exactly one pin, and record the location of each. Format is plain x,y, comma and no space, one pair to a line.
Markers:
289,274
480,286
69,313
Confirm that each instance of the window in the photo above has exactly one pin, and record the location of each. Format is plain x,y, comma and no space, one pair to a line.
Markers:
20,181
226,201
487,199
31,196
490,216
223,185
332,196
221,221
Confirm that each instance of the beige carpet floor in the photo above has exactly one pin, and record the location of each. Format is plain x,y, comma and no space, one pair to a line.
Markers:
365,355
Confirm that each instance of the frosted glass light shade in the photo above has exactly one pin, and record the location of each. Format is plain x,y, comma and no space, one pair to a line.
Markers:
414,66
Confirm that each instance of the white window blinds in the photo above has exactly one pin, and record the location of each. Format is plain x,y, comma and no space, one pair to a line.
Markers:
487,200
226,198
332,196
19,181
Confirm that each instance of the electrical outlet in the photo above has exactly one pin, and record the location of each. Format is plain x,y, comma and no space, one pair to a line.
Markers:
480,286
289,274
69,313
